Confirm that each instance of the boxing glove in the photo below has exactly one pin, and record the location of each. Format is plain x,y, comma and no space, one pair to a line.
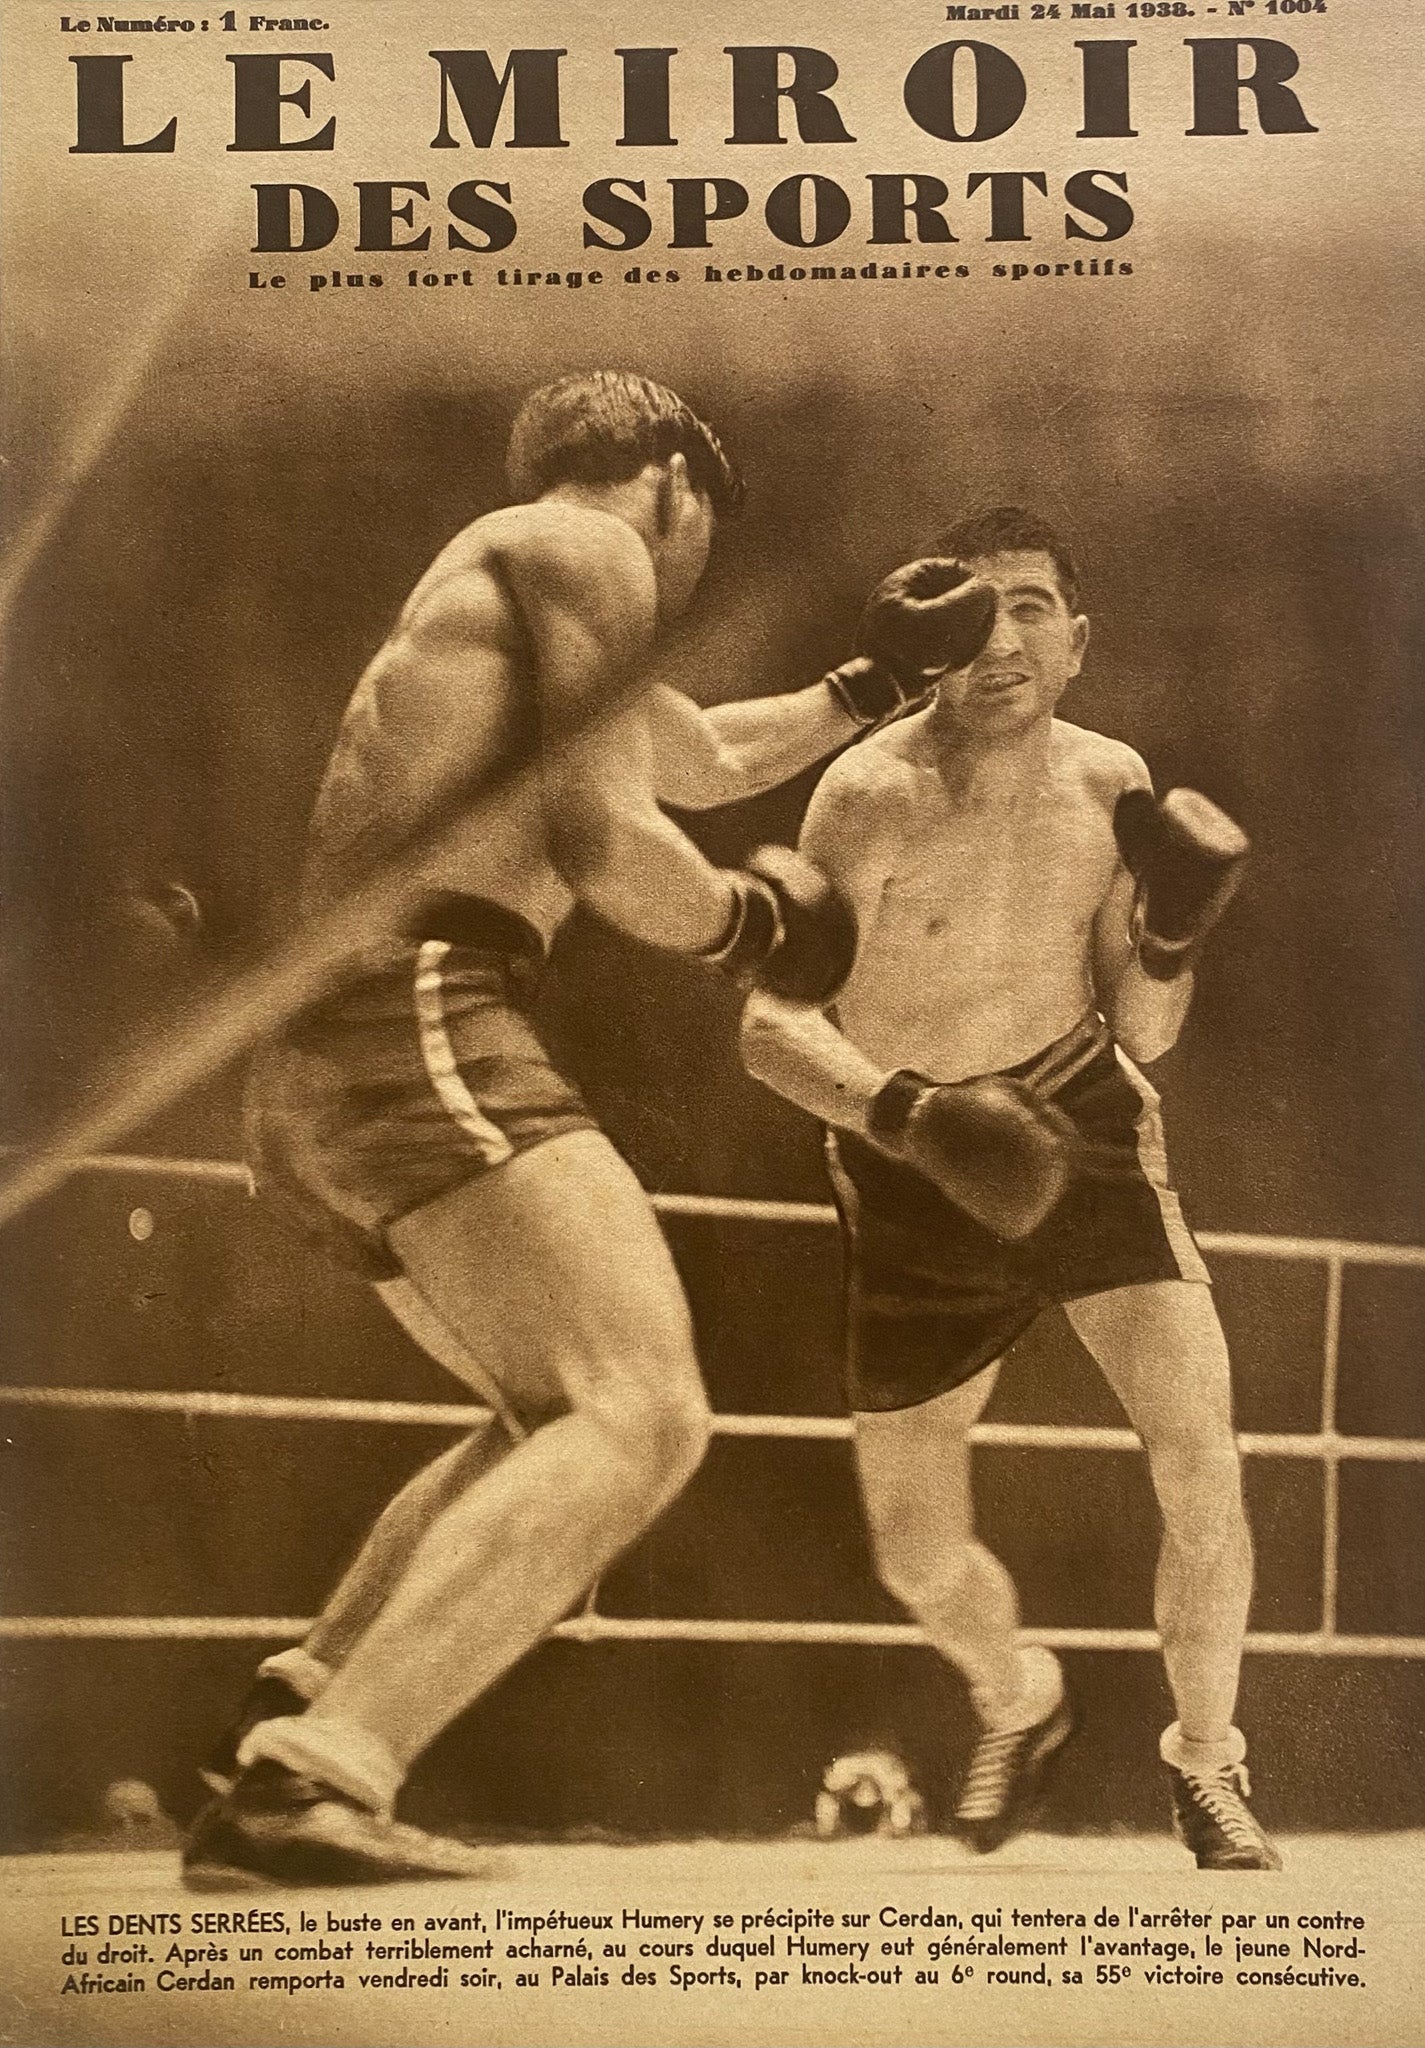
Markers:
928,617
1187,858
995,1148
793,934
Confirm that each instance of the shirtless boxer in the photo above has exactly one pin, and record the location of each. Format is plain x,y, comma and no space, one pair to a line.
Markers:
1027,912
412,1125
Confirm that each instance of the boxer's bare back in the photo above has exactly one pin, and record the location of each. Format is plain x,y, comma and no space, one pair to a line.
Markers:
461,685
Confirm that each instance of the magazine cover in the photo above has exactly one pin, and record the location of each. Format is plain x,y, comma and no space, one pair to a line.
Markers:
711,1205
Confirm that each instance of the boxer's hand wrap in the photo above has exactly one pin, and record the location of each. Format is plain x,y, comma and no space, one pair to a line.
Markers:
995,1148
1187,858
923,619
793,933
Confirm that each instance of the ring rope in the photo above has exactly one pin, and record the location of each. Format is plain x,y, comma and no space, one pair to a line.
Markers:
1328,1444
753,1209
1063,1436
603,1628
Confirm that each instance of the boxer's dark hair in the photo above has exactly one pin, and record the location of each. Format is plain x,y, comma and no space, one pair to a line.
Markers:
602,427
1011,529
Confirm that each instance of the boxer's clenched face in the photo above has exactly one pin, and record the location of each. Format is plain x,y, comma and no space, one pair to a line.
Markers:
1030,658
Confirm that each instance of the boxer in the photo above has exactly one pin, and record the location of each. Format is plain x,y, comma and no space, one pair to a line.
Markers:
414,1127
1029,915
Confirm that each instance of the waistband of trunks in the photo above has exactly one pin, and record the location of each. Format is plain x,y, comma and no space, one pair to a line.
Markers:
475,921
1054,1067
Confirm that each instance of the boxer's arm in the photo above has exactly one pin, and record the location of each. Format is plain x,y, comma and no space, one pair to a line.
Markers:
703,758
990,1145
800,1053
921,620
589,614
1144,1015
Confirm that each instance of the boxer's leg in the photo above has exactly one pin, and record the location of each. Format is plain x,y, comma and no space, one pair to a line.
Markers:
914,1466
914,1469
387,1550
288,1682
1160,1347
383,1557
553,1273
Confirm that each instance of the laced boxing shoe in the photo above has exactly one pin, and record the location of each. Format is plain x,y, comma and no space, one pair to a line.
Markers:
280,1827
1008,1771
1211,1816
268,1698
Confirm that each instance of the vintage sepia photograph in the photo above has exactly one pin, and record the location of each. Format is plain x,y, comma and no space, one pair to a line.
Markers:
712,1204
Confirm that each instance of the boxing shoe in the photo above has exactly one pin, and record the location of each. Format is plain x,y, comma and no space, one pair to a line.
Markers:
920,621
1211,1816
278,1827
1008,1771
268,1698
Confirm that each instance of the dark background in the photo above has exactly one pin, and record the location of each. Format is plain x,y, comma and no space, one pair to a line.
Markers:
179,661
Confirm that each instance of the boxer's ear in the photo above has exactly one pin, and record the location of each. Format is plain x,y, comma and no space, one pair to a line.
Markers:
673,488
1079,639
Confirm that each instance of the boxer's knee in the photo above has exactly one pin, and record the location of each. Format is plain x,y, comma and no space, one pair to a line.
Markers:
677,1426
1197,1478
648,1404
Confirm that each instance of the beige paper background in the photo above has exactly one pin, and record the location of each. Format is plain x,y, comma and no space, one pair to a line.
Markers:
1286,268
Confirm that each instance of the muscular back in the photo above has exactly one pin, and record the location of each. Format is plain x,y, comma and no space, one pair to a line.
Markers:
521,622
978,897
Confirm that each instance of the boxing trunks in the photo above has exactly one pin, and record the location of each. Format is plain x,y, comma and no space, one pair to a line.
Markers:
933,1297
416,1075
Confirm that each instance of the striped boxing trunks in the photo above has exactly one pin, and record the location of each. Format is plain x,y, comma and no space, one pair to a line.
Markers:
409,1080
933,1297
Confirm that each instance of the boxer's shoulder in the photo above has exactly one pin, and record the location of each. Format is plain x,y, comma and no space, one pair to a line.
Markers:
875,780
572,558
560,531
859,816
1102,766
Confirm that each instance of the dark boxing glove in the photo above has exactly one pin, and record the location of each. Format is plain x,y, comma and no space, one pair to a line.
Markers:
1187,858
793,933
923,619
999,1151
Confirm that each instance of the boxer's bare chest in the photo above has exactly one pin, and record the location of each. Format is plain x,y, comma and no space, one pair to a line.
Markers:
979,950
